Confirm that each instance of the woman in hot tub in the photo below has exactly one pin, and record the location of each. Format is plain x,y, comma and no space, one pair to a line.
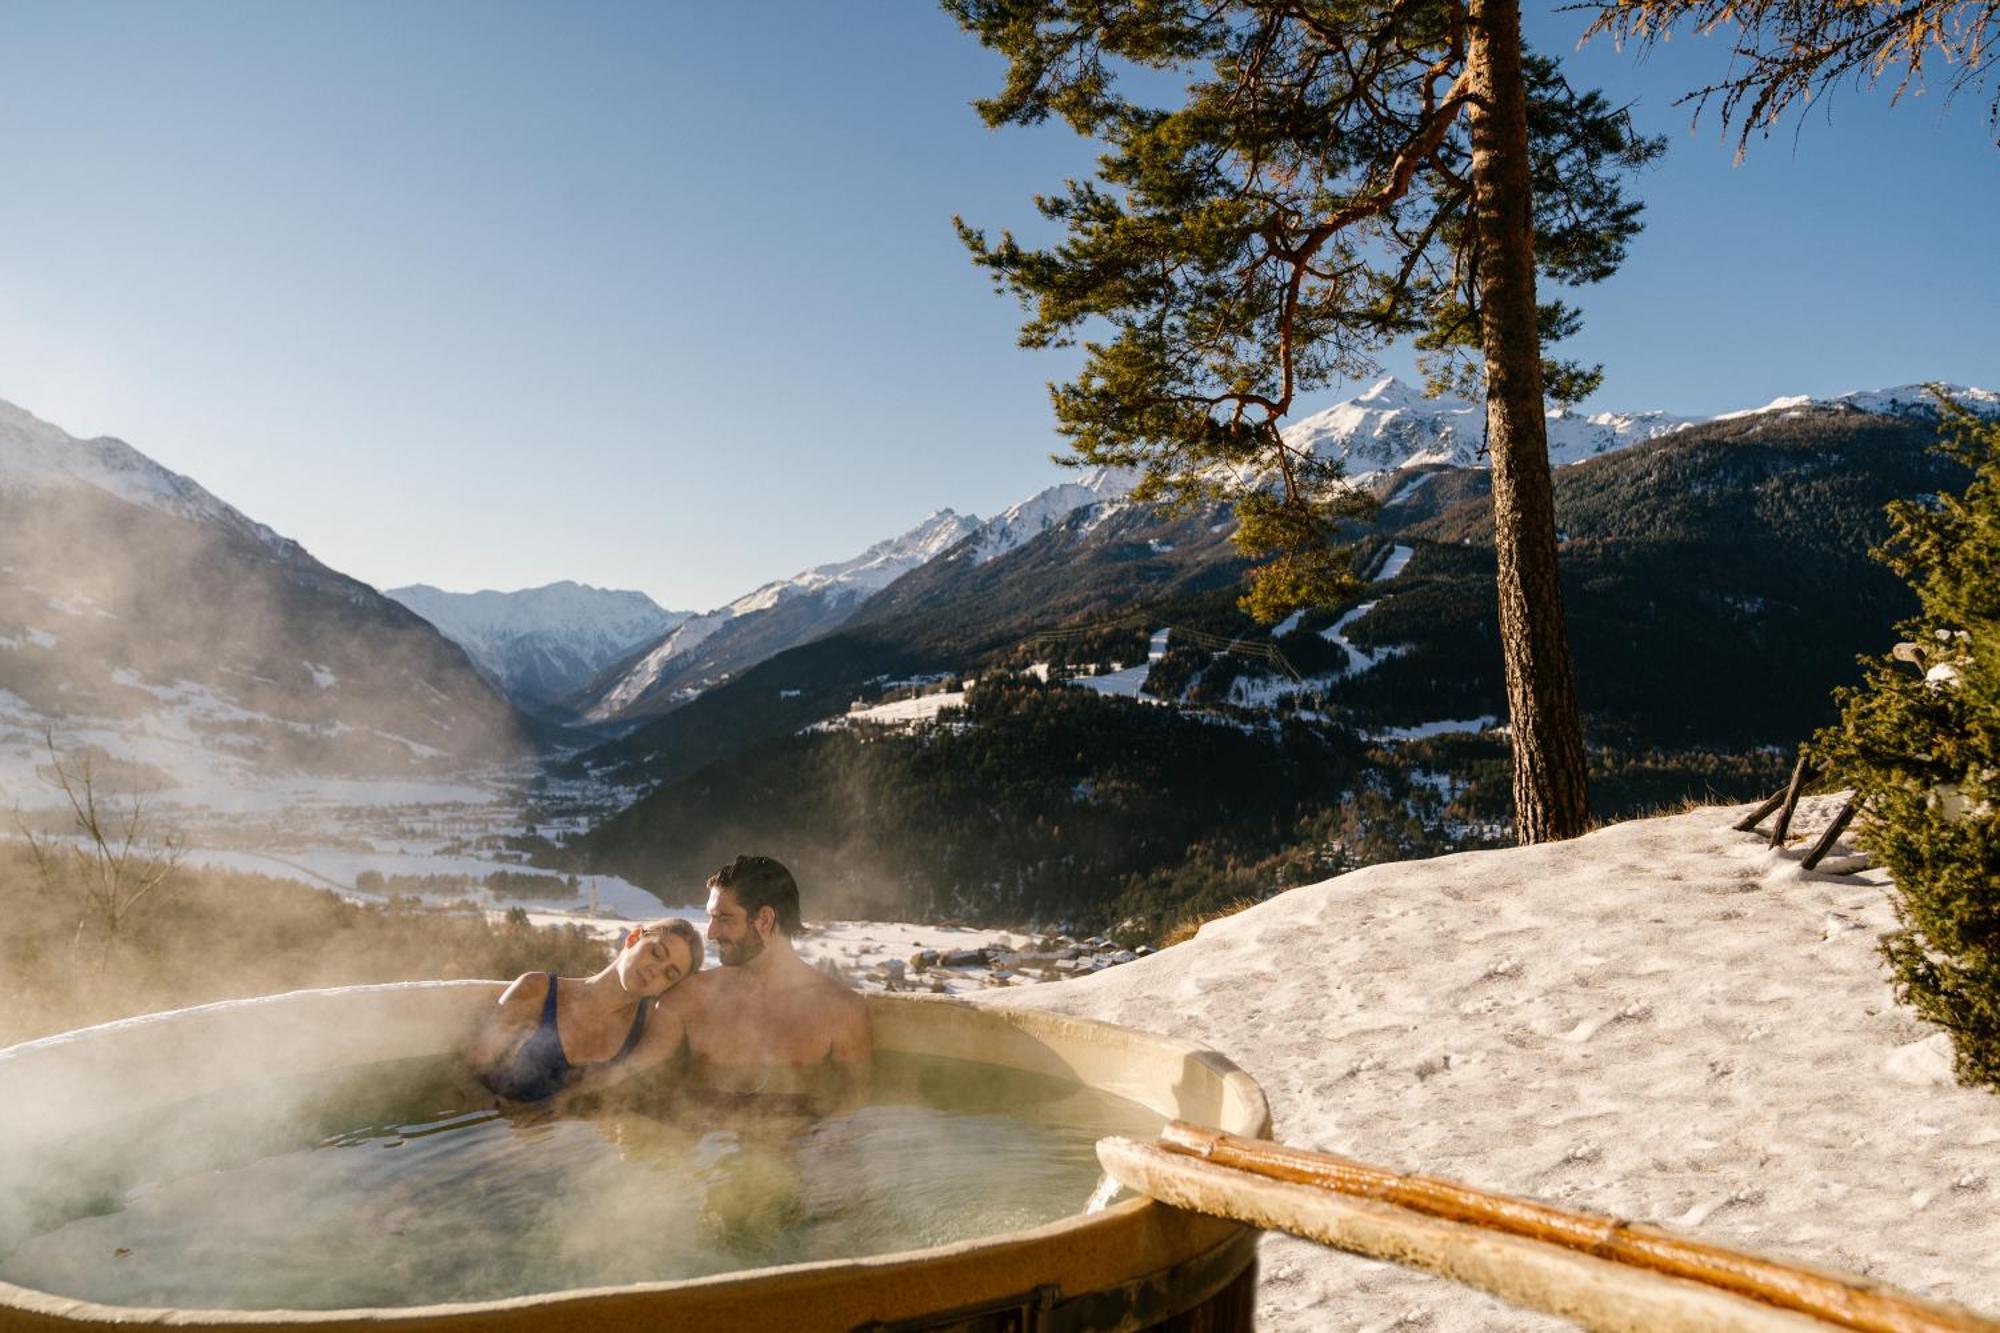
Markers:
547,1030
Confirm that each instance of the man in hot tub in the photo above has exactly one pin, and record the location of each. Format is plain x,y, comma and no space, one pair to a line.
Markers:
766,1025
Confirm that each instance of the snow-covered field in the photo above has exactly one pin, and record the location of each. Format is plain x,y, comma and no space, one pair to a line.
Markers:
333,868
903,712
171,743
327,832
1663,1021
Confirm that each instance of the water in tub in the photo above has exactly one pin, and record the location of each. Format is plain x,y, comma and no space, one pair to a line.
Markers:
402,1185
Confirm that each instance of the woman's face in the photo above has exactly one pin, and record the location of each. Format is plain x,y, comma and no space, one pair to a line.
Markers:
651,964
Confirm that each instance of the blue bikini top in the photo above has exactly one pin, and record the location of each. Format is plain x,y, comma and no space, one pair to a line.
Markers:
540,1069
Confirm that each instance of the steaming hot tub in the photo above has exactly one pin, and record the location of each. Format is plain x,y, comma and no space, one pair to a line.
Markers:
1134,1265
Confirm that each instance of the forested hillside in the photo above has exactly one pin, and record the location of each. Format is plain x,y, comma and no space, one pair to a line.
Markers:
1717,583
945,616
1036,803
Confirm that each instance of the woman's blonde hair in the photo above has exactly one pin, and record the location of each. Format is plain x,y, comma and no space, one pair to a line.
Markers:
674,925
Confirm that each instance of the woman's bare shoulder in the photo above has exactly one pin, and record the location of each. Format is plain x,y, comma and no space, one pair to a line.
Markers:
526,991
510,1019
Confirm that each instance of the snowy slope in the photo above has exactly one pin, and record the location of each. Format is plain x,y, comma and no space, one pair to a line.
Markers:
1901,401
703,648
192,646
543,643
1389,427
1662,1021
1038,513
36,456
789,610
871,571
640,680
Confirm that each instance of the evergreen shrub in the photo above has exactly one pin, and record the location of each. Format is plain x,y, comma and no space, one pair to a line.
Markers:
1919,741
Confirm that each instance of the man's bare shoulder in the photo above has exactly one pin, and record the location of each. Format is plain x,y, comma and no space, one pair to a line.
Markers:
830,991
689,996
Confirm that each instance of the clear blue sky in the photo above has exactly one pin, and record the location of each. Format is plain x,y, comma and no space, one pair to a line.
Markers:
665,296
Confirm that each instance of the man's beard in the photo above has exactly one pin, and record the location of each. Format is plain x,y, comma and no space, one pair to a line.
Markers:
735,953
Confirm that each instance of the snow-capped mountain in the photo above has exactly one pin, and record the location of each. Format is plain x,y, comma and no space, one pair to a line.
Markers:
1904,400
1394,426
543,644
37,456
1038,513
1756,603
871,571
1389,427
609,698
703,649
146,618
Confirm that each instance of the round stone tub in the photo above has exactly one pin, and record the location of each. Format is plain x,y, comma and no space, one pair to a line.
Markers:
1135,1265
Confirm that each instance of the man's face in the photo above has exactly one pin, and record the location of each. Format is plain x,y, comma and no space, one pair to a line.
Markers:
735,936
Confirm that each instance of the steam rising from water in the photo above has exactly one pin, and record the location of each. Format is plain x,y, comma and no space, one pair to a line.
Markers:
392,1186
188,642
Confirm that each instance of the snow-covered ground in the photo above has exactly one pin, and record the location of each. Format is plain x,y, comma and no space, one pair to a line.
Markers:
857,947
1469,726
1125,683
904,712
1358,659
1663,1021
1399,558
1408,491
179,741
1129,682
333,868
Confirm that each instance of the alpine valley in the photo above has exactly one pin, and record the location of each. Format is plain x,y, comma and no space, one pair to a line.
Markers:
1055,716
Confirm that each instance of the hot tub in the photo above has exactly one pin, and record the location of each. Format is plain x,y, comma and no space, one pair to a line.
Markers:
1134,1265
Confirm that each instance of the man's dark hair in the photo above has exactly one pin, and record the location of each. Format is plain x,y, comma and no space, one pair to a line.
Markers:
759,882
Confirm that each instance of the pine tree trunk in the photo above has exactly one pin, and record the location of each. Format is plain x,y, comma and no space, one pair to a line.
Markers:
1551,799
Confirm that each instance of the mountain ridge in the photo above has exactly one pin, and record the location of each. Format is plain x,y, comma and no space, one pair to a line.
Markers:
145,617
542,644
1389,428
1392,426
37,454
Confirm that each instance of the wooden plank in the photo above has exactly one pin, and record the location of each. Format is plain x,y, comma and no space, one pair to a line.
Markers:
1837,1299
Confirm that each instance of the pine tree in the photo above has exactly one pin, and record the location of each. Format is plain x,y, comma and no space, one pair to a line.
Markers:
1920,743
1335,176
1789,51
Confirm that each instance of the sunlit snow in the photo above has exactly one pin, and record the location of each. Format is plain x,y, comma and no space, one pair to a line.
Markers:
1662,1021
